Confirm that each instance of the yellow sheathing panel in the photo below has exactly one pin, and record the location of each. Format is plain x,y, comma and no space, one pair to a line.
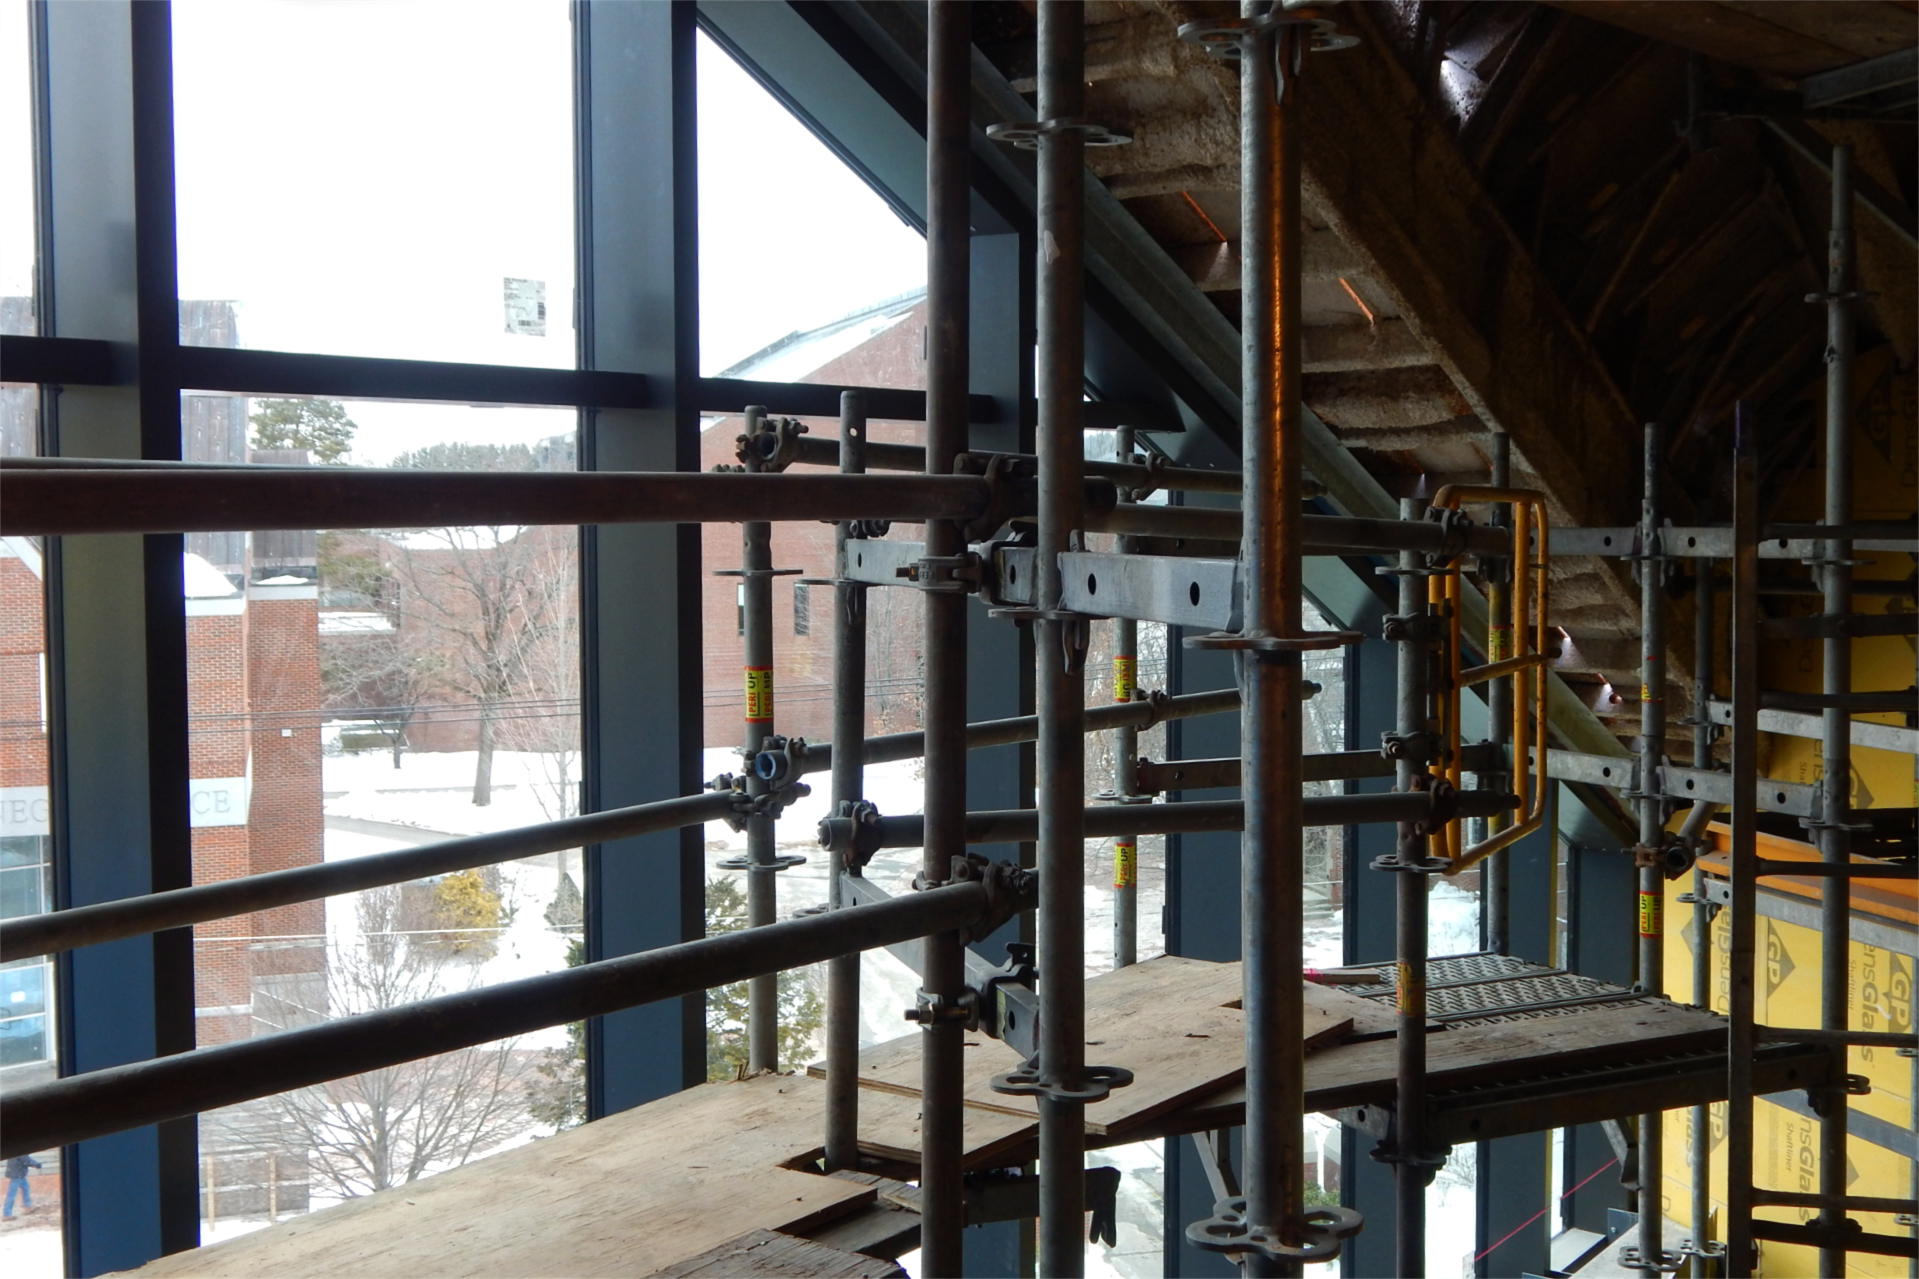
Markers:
1786,1140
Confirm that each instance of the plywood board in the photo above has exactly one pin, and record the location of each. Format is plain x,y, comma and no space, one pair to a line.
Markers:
627,1195
1360,1074
890,1129
1164,1020
768,1254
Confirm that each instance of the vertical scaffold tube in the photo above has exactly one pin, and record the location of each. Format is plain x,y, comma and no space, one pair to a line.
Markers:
756,621
1411,1170
948,256
1272,848
1741,1008
1060,641
1652,826
1125,763
1835,774
1699,1134
1499,704
849,787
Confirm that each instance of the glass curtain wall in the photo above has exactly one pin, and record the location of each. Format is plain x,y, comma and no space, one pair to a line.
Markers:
30,1236
805,276
378,180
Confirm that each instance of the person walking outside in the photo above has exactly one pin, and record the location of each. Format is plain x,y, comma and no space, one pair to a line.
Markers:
17,1184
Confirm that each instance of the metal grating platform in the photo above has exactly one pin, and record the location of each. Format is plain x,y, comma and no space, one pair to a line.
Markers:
1486,989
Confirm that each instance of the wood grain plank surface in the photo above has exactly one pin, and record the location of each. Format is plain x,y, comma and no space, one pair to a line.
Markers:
768,1254
627,1195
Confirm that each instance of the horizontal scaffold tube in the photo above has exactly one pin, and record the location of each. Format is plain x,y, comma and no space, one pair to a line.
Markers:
1154,776
146,1092
818,756
1322,534
49,501
46,934
1021,825
132,916
821,451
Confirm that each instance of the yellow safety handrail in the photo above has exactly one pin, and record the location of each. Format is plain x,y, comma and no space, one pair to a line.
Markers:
1527,667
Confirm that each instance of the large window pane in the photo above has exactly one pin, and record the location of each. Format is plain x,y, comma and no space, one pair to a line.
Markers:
357,691
804,271
825,287
388,179
30,1234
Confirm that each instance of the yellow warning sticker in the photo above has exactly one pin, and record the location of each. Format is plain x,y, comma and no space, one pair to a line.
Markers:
1499,642
759,694
1124,669
1409,992
1652,922
1125,864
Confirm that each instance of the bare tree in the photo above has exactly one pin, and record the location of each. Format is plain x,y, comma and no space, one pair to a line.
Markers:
549,727
487,598
387,1127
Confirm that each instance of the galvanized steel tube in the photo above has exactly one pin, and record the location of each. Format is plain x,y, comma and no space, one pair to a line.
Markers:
145,1092
1835,774
948,263
849,787
756,654
1410,1171
1272,848
1318,534
1741,1009
1496,872
886,749
79,926
1060,791
47,502
1125,764
1019,825
1652,819
1699,1146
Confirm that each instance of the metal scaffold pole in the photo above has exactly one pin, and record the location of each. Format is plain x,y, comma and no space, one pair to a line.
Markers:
1497,871
1650,1253
1705,1255
1272,850
1413,1169
756,626
1125,762
1741,1037
1061,645
942,978
849,772
1269,1224
1833,825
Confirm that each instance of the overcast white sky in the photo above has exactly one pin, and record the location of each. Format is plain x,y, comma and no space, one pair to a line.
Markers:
361,178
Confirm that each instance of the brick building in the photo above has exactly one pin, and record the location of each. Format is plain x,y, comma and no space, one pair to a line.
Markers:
880,346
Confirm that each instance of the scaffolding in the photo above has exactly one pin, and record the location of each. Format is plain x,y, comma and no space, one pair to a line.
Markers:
1010,528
